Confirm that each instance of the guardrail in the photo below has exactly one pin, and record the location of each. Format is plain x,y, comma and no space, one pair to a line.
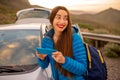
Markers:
101,37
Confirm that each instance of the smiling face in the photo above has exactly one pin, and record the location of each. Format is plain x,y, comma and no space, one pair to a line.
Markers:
60,21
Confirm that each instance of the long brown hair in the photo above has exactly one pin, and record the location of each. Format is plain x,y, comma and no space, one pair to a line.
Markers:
64,43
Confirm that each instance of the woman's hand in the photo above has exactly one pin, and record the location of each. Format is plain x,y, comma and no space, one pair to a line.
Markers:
41,56
58,57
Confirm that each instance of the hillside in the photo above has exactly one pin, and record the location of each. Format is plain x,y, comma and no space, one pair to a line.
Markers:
108,19
14,4
8,9
110,16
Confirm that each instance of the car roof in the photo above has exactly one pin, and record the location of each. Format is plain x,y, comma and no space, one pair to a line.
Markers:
28,9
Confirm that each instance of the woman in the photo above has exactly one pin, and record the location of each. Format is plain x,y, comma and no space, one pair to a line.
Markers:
69,62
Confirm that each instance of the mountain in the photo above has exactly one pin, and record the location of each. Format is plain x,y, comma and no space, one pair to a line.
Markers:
77,12
8,9
107,19
110,16
14,4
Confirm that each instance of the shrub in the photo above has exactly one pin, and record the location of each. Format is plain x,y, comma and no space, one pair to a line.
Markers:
89,27
112,50
101,31
111,53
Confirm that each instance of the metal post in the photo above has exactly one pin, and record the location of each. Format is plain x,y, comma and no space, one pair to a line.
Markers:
96,43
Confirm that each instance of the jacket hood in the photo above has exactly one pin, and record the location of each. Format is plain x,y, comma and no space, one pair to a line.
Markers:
49,33
75,29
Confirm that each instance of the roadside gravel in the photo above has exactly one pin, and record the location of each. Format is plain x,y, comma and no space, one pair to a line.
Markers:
113,68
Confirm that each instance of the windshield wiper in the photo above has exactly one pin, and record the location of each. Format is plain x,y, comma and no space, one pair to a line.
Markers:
10,69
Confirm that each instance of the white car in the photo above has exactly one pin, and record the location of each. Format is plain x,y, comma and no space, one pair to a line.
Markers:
17,46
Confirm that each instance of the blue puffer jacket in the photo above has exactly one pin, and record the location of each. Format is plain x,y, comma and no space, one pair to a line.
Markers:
77,65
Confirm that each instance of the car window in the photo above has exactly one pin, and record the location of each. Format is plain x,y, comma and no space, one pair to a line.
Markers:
17,47
36,13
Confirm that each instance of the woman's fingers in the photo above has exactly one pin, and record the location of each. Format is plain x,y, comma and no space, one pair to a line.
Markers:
41,56
58,57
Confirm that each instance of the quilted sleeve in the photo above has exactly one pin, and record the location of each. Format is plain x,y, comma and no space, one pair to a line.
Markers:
44,64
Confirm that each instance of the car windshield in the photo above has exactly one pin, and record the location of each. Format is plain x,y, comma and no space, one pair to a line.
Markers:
36,13
17,47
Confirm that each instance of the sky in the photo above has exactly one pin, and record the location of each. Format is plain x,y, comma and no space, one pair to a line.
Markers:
84,5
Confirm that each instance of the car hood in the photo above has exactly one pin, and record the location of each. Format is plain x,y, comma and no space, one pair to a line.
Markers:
23,26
